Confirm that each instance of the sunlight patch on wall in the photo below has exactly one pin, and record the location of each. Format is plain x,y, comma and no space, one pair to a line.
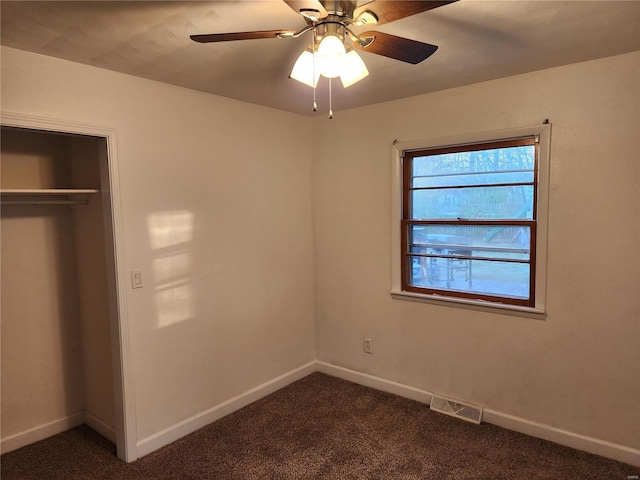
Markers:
173,305
171,268
170,228
170,234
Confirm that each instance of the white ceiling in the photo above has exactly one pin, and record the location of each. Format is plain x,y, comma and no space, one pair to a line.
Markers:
478,40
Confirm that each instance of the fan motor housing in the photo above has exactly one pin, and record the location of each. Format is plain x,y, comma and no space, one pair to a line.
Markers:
342,8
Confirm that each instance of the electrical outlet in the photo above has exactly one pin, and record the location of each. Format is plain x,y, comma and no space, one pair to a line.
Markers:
367,345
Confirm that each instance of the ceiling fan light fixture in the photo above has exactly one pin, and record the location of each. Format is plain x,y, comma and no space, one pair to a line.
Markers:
353,69
303,70
331,56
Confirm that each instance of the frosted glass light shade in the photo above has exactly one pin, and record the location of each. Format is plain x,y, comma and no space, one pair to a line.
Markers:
353,69
303,70
331,56
329,62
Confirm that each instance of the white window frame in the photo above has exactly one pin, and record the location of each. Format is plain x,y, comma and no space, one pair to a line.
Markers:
543,132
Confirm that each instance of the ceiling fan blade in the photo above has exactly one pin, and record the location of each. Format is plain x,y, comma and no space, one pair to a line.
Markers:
226,37
390,11
403,49
297,5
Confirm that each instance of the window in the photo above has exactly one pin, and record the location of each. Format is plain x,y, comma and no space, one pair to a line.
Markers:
472,224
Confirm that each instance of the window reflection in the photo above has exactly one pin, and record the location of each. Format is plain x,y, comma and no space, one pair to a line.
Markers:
170,233
173,305
170,228
171,267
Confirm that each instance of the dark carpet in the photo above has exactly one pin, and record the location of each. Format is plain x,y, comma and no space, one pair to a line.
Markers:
321,428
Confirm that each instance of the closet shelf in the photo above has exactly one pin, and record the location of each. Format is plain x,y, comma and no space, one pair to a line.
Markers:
43,196
48,191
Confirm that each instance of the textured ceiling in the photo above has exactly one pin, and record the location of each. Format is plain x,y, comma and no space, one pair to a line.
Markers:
478,40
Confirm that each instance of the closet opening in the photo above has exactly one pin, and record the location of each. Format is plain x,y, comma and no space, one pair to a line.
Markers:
62,324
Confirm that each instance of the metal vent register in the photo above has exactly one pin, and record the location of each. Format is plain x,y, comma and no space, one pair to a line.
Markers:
455,408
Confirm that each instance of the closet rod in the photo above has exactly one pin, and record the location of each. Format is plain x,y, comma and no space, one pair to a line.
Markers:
45,202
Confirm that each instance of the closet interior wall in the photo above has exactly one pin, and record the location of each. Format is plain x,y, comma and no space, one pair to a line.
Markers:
56,356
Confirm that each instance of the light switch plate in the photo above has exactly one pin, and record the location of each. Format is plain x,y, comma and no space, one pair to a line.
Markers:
136,279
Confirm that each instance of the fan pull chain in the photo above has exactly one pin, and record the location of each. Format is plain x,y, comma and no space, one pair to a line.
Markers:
315,105
330,105
313,52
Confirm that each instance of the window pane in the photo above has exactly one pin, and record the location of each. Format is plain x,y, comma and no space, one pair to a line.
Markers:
511,202
494,160
486,241
471,276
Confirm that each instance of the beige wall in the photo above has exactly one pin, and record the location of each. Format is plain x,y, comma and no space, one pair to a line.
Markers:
579,369
216,209
91,272
28,164
41,337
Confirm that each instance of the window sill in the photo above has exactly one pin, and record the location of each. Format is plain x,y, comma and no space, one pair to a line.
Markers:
514,310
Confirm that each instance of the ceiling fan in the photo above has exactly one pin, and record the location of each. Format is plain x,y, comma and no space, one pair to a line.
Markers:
331,54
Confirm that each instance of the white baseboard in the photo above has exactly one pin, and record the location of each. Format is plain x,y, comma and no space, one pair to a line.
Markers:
377,383
41,432
603,448
190,425
93,422
33,435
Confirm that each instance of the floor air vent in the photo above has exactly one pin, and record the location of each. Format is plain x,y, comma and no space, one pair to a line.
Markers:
470,413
